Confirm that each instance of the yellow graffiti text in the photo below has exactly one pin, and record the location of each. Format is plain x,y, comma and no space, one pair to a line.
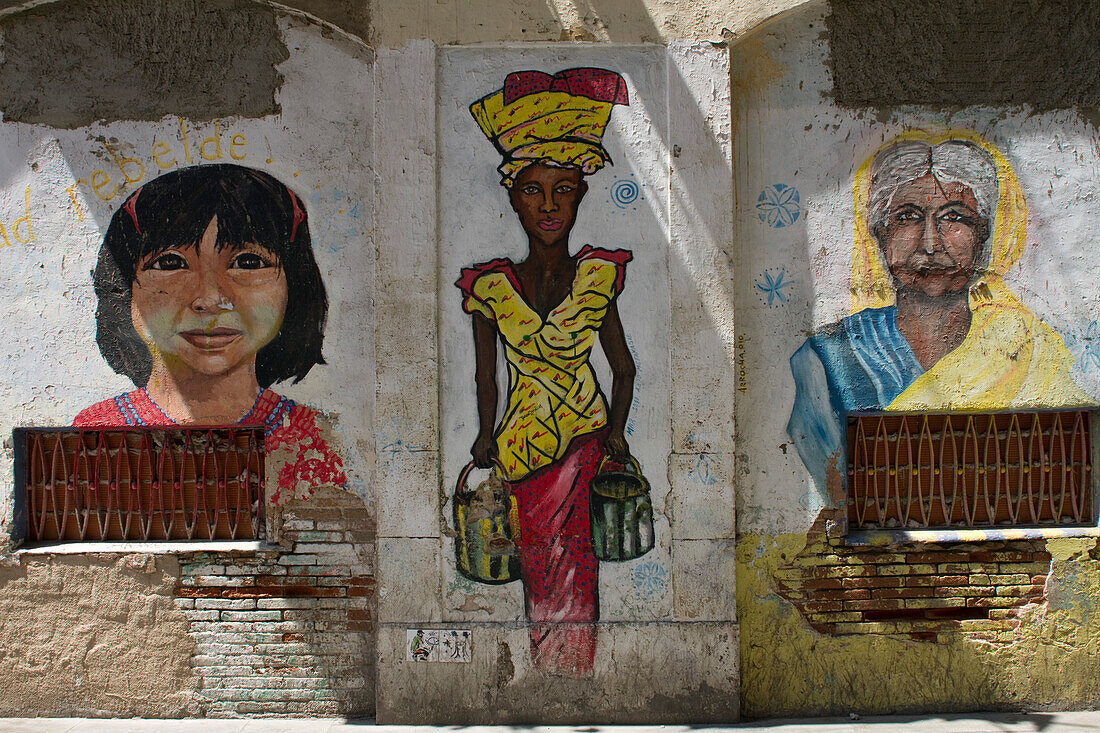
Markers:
21,230
127,171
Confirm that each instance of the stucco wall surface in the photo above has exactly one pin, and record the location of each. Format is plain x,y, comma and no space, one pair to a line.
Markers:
94,635
670,140
63,62
66,184
616,21
393,22
1046,662
271,92
798,149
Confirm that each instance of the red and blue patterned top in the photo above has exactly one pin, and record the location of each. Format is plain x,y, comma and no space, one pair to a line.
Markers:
292,437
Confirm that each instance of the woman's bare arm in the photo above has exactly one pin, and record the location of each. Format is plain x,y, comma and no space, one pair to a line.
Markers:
484,450
622,366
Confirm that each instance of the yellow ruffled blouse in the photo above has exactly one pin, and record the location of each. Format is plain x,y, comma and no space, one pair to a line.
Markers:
553,395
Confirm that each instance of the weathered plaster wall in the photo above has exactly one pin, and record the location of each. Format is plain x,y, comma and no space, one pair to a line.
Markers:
94,635
394,22
799,140
391,199
991,53
67,65
1044,663
115,101
670,140
616,21
70,182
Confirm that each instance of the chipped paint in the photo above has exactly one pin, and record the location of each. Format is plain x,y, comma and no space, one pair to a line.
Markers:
1047,662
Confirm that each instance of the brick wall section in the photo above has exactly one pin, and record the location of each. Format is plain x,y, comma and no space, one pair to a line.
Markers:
924,591
290,630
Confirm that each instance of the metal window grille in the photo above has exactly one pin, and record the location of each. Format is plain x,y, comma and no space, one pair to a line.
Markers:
141,485
970,470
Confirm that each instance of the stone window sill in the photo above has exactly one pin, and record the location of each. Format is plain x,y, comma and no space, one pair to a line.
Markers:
149,548
884,537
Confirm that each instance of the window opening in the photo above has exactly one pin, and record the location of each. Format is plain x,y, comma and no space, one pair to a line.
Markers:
141,485
931,471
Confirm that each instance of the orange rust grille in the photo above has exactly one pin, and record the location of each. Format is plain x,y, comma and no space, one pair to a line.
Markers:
142,485
969,470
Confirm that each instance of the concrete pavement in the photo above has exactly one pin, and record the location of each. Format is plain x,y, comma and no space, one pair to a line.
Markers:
1049,722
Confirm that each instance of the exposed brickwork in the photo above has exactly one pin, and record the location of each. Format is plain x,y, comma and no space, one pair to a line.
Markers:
290,630
920,590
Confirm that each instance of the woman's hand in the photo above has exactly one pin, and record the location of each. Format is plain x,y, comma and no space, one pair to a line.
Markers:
617,449
484,451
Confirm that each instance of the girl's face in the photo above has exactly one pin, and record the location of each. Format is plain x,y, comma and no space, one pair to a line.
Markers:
207,311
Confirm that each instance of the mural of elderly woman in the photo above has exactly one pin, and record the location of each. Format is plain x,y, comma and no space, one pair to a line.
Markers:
209,293
548,311
939,220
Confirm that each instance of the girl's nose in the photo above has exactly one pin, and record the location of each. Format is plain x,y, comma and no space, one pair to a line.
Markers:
548,203
210,291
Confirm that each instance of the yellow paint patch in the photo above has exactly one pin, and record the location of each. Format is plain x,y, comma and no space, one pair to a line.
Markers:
753,69
1049,661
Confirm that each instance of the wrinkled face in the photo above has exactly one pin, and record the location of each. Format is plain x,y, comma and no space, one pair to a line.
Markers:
932,237
546,199
207,311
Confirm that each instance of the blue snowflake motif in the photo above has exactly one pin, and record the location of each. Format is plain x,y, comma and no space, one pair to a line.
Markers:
650,578
702,470
771,284
778,205
1090,348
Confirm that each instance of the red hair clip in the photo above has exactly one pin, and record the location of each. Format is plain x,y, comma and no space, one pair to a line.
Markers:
299,215
130,207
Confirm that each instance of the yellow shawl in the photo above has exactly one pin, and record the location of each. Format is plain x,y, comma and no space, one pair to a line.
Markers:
1009,358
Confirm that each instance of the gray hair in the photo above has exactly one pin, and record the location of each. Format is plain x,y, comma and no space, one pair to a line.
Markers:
951,161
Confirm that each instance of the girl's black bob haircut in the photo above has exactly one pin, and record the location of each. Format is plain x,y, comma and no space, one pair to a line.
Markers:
174,210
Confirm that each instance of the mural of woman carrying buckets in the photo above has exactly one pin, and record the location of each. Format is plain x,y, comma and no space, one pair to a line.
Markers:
548,311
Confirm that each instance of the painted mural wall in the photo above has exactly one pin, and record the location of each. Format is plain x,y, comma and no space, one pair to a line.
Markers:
579,190
179,272
911,260
553,208
179,269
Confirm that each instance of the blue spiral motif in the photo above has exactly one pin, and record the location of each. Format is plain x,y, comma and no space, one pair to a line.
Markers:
624,193
778,205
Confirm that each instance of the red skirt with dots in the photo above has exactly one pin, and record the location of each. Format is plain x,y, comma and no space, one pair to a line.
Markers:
559,567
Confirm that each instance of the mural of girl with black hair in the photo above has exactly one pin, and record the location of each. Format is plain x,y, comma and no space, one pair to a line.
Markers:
208,294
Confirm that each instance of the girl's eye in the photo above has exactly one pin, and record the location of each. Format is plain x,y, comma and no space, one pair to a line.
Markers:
250,261
564,188
168,261
532,190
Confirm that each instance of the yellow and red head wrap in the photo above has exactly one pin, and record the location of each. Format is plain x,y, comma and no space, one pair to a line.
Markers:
557,119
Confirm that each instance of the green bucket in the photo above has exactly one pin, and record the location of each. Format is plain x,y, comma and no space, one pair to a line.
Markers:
621,513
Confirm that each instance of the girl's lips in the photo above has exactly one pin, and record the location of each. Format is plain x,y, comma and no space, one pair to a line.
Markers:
550,225
213,339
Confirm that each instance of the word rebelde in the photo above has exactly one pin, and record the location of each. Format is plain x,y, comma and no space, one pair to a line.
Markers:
163,156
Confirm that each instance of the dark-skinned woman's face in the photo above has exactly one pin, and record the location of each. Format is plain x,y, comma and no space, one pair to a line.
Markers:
546,199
